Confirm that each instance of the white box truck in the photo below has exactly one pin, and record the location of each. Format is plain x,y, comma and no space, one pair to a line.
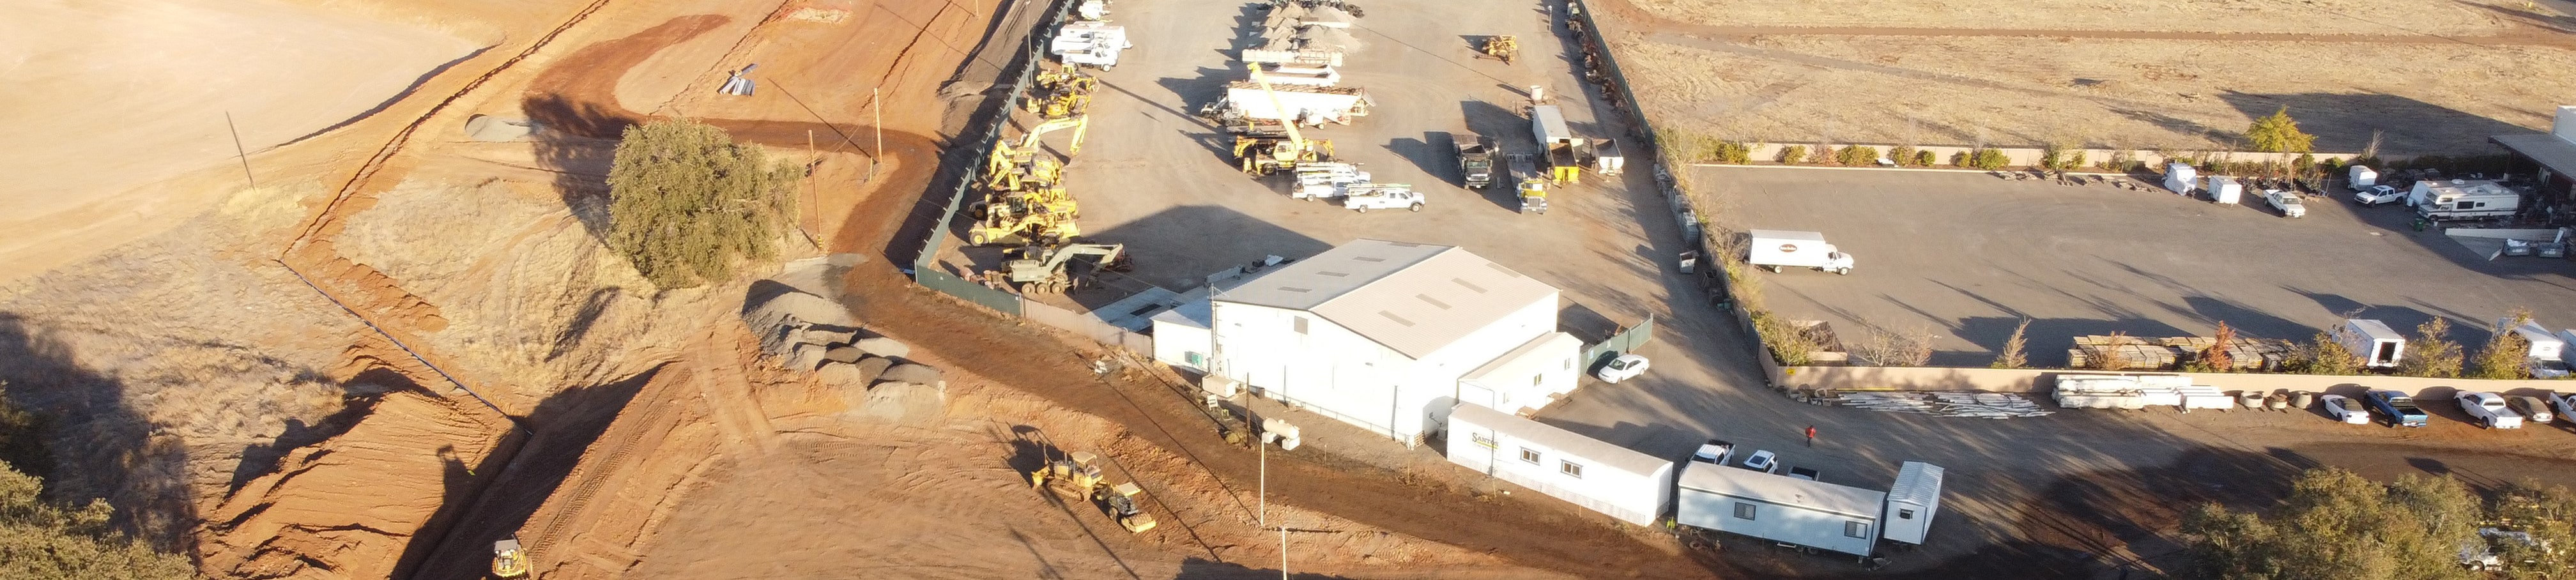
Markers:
2372,341
1777,248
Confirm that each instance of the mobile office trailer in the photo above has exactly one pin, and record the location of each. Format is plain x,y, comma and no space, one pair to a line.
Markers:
2460,199
2373,341
1912,503
1776,248
1811,514
1624,484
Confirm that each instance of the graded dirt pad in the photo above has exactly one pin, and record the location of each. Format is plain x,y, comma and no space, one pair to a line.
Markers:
112,96
347,508
1932,77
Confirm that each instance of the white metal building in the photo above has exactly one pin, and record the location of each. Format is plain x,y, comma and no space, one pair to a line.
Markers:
1779,508
1384,335
1599,476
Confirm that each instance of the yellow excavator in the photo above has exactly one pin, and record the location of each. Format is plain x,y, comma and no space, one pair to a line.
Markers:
509,562
1050,269
1025,199
1078,475
1502,47
1265,154
1060,93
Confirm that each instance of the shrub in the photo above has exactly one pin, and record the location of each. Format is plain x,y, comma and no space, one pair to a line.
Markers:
2075,162
1903,155
2431,354
2011,357
43,541
1821,154
2324,355
1733,152
2502,357
1924,159
1959,159
1989,159
687,204
1793,154
1857,156
2050,156
1788,343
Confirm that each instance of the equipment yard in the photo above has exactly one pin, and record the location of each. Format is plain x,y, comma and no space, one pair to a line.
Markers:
2437,80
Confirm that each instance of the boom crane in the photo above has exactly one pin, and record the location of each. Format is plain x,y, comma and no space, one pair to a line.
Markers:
1264,155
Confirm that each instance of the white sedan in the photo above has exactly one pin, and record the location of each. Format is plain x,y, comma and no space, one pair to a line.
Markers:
1627,366
2344,409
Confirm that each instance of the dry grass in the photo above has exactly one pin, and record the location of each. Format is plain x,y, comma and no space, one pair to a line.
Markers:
2181,95
2306,16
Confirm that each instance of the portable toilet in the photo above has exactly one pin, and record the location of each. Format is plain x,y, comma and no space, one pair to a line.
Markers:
2179,177
2373,342
2544,345
2224,189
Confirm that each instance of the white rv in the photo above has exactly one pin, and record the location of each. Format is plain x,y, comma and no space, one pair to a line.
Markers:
1776,248
2462,199
1780,508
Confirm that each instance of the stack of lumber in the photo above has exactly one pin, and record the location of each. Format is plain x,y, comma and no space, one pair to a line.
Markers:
1937,403
2145,353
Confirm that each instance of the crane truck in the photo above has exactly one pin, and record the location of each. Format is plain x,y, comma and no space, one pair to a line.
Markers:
1263,155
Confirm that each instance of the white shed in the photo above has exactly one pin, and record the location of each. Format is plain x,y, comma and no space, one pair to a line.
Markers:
1912,503
1384,335
1599,476
1780,508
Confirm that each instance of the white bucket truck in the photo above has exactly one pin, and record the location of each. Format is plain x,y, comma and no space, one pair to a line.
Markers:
1777,248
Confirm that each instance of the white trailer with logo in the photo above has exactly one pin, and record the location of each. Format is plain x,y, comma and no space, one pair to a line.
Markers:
1912,503
1777,248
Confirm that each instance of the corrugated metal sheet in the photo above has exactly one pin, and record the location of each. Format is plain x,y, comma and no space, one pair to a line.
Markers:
1378,289
2558,154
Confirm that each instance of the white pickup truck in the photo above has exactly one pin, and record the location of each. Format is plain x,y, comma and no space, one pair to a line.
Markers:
2489,410
1362,197
2287,202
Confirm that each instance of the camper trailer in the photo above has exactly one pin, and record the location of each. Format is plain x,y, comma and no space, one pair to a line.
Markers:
2377,345
2463,199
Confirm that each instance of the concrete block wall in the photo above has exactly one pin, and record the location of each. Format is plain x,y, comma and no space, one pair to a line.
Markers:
2029,156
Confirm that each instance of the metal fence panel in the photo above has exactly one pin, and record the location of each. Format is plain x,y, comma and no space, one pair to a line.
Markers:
1087,326
1621,343
972,292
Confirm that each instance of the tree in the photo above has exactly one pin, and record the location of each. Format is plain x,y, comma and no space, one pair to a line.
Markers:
2216,357
43,541
2011,358
2431,354
2324,355
2337,524
2279,134
687,204
1897,349
2505,352
2548,514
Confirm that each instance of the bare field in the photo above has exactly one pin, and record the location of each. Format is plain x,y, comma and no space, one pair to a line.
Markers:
2178,94
2392,17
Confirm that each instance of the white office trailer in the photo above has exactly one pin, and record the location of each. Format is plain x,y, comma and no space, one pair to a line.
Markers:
2224,189
1779,508
1599,476
1384,335
2376,344
1911,503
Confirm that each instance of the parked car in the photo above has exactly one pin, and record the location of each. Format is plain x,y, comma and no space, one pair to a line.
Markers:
2400,408
2378,194
1763,461
2286,201
2547,368
2533,409
1715,452
2489,410
2344,409
1627,366
1804,473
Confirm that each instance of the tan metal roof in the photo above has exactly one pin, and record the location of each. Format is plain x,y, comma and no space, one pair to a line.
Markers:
2558,154
1414,298
1563,441
1782,489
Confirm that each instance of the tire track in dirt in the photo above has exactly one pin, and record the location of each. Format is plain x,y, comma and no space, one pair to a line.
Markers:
577,96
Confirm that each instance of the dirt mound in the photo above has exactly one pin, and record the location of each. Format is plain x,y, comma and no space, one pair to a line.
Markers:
350,507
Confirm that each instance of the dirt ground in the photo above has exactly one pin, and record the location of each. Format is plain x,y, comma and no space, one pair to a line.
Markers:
2376,17
2442,84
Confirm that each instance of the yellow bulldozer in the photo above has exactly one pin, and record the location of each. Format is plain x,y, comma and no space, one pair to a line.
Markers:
1078,475
1060,93
1502,47
509,561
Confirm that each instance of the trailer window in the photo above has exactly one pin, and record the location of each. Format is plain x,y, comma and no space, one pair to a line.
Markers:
1570,468
1904,514
1529,455
1856,529
1743,511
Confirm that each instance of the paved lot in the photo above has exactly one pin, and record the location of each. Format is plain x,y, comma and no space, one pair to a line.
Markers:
1967,255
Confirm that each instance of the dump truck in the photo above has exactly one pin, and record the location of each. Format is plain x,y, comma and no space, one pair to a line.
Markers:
1564,152
1532,187
1774,249
1475,162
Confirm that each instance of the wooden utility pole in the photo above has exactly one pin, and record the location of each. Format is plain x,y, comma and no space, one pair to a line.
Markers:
244,154
876,106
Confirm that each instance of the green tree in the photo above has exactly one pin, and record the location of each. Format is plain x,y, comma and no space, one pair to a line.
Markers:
44,541
2505,352
2338,525
687,204
2011,357
2279,134
1903,155
1857,156
2548,514
2326,356
2431,354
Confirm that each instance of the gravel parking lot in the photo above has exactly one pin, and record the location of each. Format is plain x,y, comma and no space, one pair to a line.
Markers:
1967,256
